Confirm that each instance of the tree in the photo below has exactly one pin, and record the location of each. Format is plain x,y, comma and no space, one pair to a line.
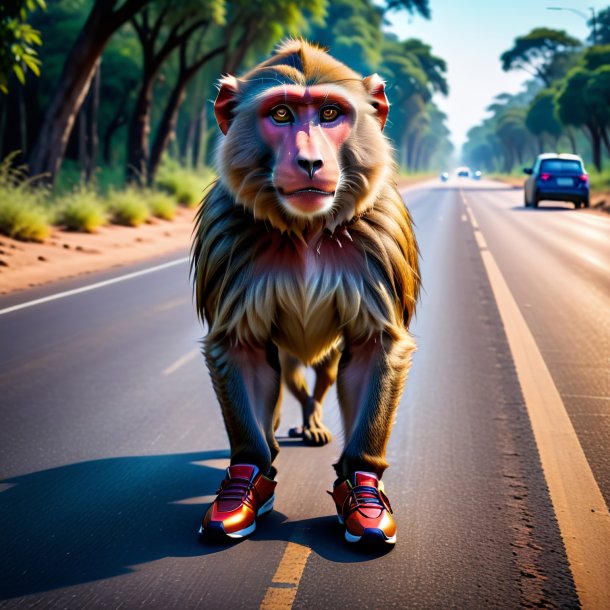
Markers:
105,18
542,121
574,107
17,41
540,53
601,27
161,28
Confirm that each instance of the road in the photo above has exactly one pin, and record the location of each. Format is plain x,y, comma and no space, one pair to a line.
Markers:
112,443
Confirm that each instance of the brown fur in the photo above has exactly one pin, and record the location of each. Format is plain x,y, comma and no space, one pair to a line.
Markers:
344,283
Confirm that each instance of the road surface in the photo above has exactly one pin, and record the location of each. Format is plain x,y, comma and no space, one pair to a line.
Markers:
112,443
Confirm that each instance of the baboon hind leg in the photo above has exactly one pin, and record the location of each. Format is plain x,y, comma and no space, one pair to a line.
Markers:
313,431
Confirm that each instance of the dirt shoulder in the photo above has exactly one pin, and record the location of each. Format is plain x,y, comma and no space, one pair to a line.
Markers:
67,254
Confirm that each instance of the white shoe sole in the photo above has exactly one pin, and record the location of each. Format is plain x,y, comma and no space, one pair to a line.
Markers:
265,508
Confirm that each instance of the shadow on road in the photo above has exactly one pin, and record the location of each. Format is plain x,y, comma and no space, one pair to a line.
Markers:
545,208
94,520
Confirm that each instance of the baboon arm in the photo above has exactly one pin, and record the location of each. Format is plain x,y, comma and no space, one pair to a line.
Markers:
370,382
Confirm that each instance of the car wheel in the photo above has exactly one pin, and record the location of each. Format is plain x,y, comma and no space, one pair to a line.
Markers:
535,202
525,201
585,203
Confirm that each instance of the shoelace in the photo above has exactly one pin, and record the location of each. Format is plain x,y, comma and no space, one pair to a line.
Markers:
363,496
237,488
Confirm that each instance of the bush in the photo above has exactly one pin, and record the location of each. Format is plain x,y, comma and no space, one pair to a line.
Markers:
161,205
128,207
185,185
80,210
22,215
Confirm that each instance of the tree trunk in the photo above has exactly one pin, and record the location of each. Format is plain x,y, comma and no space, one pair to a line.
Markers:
139,130
201,140
83,146
596,146
572,138
168,121
166,128
92,115
48,153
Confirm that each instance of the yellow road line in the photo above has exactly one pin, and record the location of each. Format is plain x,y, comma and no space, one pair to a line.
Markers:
581,512
283,589
172,368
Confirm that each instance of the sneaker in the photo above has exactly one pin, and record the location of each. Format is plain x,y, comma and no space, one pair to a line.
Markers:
244,495
364,510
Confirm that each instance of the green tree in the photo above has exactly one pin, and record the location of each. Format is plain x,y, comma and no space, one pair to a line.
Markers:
541,53
575,106
601,27
80,66
541,120
17,41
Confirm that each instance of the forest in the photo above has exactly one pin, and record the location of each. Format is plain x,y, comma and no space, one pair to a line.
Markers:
106,104
564,106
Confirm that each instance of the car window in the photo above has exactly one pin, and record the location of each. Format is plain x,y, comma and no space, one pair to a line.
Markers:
561,166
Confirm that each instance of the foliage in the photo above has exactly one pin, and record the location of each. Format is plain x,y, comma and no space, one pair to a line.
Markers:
17,41
161,204
541,53
22,214
185,185
541,119
80,210
128,207
602,26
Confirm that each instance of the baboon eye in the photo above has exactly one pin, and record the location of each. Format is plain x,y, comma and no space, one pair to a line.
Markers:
282,115
328,114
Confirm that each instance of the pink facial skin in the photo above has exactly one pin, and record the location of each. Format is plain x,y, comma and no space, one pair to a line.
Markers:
305,127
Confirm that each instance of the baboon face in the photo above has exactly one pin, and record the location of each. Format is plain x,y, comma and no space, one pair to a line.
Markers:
303,143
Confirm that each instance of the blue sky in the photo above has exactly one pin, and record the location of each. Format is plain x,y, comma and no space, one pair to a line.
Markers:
471,36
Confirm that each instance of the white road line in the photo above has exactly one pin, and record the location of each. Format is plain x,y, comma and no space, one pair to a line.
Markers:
580,508
116,280
172,368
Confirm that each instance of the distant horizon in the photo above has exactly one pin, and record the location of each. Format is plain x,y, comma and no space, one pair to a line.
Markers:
471,41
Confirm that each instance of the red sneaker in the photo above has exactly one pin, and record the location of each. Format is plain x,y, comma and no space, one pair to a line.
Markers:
364,510
244,495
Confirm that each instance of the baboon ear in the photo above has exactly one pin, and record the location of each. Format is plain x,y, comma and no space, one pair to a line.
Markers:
225,102
376,88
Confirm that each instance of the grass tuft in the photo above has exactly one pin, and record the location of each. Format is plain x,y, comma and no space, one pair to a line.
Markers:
22,215
161,205
128,207
80,210
185,185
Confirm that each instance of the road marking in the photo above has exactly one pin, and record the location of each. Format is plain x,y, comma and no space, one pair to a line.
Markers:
582,514
116,280
285,583
172,368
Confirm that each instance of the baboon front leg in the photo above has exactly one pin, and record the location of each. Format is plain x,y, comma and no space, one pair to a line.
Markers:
247,383
313,431
370,382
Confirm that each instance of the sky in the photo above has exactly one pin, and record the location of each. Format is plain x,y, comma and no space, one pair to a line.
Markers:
470,35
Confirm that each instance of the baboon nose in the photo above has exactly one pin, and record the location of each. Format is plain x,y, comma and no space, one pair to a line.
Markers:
311,167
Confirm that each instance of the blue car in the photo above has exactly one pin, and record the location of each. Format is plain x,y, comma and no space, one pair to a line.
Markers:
557,178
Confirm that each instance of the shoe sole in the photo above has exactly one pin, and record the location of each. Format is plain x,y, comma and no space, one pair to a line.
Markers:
216,528
370,536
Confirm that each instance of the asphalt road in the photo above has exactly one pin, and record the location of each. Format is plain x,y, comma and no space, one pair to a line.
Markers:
112,444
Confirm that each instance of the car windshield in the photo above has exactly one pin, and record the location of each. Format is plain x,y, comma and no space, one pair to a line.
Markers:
561,166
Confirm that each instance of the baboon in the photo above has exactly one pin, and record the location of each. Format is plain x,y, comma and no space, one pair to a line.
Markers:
304,254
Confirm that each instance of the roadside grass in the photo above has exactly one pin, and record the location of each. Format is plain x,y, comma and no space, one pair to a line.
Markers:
187,186
22,213
161,204
128,207
80,210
